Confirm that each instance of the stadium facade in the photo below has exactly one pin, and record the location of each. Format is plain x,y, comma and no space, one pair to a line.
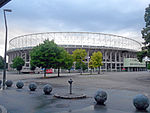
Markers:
114,48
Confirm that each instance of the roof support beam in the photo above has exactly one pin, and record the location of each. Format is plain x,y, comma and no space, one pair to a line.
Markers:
3,2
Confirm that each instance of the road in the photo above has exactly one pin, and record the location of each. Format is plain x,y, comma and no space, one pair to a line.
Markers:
121,87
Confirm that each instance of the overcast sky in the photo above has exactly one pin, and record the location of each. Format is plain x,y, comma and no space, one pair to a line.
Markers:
120,17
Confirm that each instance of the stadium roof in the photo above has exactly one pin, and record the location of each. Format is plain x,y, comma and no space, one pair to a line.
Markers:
3,2
76,39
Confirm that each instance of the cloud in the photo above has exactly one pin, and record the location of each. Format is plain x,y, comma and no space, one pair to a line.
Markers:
79,14
119,17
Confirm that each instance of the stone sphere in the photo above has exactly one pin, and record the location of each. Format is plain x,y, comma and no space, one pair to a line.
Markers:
141,102
8,83
100,96
32,86
47,89
19,84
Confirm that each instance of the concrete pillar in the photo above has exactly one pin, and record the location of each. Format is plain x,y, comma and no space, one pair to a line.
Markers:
119,56
120,60
129,55
88,58
110,60
116,60
106,59
25,54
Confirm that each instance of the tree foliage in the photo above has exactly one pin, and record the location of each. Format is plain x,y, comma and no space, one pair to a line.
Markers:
68,61
1,62
83,65
148,66
44,55
146,36
18,63
48,55
32,67
96,60
141,55
61,59
79,57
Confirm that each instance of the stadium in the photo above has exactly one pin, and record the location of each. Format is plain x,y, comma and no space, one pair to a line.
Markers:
115,49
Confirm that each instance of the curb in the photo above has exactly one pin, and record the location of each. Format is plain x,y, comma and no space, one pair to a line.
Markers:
3,109
67,96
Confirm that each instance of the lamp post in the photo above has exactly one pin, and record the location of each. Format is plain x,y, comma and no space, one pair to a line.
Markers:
4,72
146,59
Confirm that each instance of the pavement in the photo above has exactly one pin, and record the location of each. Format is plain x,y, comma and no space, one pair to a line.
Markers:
121,87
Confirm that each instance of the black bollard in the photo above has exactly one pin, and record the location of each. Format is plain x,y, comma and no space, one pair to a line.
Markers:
70,82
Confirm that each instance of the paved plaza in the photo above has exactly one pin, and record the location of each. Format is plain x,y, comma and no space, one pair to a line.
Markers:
121,87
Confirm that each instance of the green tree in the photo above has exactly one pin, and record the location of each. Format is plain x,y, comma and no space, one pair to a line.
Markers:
83,65
141,55
32,67
148,66
68,61
1,62
48,55
79,57
91,66
60,59
146,36
18,62
96,60
45,55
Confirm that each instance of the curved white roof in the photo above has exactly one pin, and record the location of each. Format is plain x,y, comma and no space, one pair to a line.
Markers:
76,38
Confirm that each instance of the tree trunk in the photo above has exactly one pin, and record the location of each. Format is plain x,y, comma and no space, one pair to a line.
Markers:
44,72
98,70
81,71
58,71
91,71
19,71
69,70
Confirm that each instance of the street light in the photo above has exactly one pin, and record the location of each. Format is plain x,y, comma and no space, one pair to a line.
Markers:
4,73
146,59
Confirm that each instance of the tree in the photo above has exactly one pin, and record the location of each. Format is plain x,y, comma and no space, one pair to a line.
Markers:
68,61
79,57
146,36
141,55
65,60
1,62
83,65
18,62
96,60
48,55
60,59
148,66
32,67
45,55
91,66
